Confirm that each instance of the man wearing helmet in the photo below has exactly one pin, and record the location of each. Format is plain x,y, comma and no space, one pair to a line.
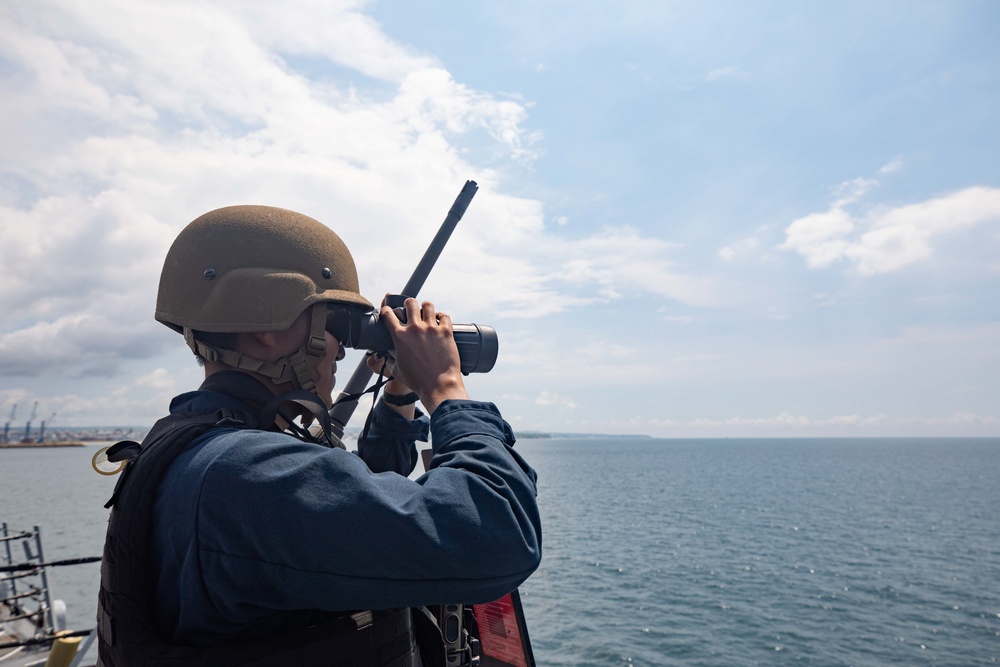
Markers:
233,540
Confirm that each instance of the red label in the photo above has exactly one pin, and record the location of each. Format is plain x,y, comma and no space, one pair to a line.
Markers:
499,636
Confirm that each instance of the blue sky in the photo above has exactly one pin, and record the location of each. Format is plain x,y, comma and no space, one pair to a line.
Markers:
700,219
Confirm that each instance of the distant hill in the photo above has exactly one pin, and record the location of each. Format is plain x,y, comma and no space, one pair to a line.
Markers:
532,435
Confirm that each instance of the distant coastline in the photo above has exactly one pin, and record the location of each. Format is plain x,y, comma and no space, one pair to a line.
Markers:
73,437
82,436
53,443
541,435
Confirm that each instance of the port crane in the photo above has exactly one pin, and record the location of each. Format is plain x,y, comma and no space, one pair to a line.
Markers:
41,429
27,427
6,427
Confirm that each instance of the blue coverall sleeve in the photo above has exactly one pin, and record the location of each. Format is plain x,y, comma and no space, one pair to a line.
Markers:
287,525
390,443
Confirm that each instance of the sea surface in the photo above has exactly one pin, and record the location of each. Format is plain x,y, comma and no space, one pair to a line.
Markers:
695,552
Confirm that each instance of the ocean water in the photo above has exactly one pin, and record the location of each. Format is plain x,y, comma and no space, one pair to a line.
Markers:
754,552
695,552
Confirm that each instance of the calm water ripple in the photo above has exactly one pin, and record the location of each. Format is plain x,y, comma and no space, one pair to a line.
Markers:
838,552
696,553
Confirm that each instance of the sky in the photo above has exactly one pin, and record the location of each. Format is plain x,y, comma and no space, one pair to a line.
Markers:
712,219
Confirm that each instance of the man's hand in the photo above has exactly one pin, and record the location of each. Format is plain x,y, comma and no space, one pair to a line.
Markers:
426,355
385,365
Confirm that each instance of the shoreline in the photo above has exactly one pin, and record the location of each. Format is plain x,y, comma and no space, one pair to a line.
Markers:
39,445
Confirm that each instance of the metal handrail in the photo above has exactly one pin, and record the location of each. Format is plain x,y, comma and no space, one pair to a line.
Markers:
27,594
42,640
19,536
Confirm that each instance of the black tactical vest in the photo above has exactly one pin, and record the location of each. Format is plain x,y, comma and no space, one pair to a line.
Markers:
127,635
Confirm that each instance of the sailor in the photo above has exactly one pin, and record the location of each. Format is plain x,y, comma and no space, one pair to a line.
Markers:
236,538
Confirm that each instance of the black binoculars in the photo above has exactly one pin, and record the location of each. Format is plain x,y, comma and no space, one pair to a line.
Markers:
363,330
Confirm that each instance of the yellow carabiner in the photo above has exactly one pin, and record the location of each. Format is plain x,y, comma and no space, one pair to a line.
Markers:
103,466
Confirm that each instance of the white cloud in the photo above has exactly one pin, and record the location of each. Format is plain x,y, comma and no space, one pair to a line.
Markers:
904,235
158,379
775,313
787,424
890,238
741,248
894,165
957,419
79,344
731,73
121,137
631,263
827,298
984,335
820,237
338,30
786,419
13,399
553,356
698,357
137,403
851,191
549,398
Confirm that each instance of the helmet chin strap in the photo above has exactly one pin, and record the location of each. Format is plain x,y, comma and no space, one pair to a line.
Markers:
301,368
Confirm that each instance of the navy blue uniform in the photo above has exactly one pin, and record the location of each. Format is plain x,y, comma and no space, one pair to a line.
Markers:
256,532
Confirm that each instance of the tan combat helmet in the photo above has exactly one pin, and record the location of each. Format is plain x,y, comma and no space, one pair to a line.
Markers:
256,268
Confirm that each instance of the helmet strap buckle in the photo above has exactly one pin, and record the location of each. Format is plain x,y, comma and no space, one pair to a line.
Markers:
316,346
198,347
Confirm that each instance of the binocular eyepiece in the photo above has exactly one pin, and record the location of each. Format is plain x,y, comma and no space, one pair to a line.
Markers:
478,345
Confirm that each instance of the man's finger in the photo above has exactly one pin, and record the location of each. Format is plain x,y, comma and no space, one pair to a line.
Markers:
412,310
428,312
388,317
379,363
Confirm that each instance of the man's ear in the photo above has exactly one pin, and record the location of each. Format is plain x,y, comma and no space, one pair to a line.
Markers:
265,338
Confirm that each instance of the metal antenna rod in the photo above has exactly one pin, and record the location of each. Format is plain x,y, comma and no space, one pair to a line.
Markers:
342,411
